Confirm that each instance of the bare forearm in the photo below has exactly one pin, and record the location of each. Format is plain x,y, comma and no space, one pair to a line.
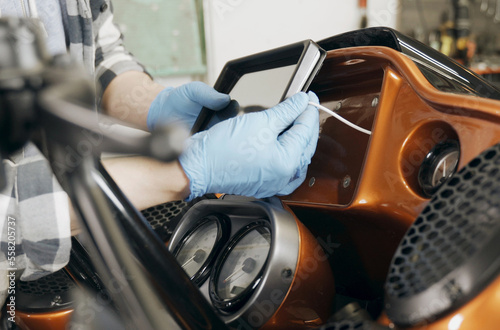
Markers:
129,96
145,182
148,182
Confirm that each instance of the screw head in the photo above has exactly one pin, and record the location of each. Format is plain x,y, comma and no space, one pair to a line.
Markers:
286,273
347,181
56,301
338,106
375,102
312,181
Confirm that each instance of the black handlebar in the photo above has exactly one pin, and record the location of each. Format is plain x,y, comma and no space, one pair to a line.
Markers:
48,102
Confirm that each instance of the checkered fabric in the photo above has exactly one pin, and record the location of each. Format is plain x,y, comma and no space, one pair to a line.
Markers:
33,214
33,201
96,41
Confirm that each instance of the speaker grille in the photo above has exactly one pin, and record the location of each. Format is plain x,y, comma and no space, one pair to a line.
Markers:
160,215
47,294
344,325
353,325
55,283
163,218
459,224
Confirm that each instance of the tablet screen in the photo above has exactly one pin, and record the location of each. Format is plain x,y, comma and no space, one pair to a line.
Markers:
262,80
251,94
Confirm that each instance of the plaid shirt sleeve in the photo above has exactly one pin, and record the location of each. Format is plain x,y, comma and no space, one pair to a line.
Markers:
96,41
33,196
34,214
111,57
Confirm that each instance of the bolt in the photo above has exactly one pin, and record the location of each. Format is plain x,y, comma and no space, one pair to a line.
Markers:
56,301
312,181
286,273
347,181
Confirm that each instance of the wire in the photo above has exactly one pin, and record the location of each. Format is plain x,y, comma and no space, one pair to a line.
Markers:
342,119
33,8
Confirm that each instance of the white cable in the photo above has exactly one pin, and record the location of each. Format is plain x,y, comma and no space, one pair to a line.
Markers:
23,7
339,117
33,8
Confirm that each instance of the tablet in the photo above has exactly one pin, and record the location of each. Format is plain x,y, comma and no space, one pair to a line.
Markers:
262,80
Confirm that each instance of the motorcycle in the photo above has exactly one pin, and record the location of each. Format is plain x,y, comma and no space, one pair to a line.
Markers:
395,225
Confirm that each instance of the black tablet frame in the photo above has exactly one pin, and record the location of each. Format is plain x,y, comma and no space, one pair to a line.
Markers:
307,56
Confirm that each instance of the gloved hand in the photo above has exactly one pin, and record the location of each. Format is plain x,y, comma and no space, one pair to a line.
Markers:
183,104
247,156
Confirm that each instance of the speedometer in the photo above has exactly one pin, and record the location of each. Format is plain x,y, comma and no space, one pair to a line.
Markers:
199,247
239,269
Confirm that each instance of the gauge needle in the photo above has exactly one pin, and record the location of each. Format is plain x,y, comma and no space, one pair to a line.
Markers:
234,273
198,256
248,266
188,261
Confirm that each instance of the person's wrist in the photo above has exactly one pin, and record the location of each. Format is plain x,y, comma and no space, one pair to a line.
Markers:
191,162
182,184
156,107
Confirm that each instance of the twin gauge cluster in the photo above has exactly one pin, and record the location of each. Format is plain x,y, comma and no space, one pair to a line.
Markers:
233,263
244,254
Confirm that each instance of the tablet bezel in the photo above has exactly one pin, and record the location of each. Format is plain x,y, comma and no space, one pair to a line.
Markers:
307,56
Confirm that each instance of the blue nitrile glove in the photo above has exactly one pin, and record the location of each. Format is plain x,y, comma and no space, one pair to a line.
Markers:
183,104
247,156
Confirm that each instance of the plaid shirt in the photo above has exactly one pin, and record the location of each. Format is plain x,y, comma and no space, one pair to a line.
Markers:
33,206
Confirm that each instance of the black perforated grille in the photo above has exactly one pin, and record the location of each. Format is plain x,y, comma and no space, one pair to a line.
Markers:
457,222
343,325
353,325
451,252
162,217
56,283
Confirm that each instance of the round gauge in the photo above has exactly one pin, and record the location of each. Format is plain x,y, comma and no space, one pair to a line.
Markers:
200,245
238,270
439,164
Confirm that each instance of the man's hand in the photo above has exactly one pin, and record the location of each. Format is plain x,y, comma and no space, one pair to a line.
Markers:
183,104
134,98
259,154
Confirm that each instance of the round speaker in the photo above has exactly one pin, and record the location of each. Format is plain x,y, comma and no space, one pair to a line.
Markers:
452,251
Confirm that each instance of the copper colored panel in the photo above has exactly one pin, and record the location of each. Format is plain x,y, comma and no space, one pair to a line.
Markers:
410,118
410,111
479,313
309,301
44,321
335,170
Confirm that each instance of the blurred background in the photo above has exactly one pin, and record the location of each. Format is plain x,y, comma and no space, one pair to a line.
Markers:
185,40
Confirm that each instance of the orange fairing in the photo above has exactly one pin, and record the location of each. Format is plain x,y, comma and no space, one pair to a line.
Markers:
480,313
44,321
313,279
365,188
374,177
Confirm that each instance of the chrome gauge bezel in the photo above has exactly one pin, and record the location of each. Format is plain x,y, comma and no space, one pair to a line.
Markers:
281,264
238,301
223,232
431,163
